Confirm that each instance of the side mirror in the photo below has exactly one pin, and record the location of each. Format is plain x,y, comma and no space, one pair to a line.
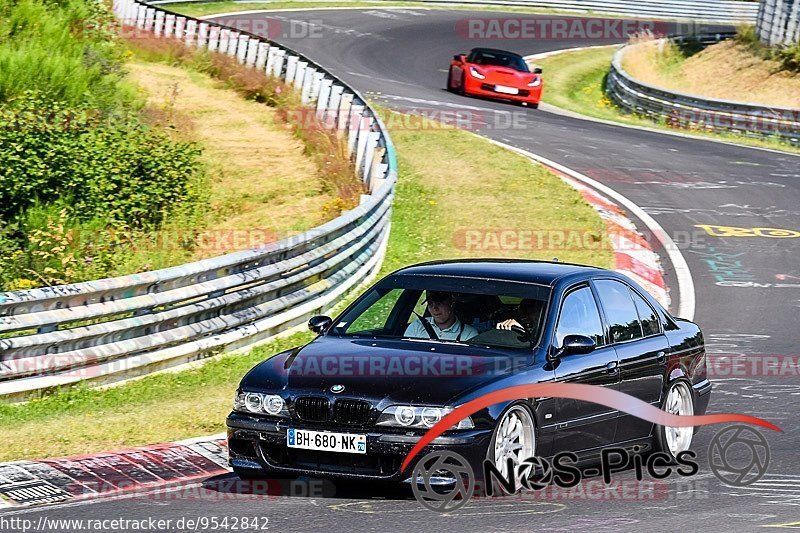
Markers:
459,57
319,324
537,70
573,345
577,345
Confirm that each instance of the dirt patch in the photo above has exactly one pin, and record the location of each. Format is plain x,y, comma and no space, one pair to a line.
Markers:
263,186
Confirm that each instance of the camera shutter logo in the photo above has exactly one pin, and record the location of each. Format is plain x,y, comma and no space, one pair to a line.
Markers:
739,455
453,477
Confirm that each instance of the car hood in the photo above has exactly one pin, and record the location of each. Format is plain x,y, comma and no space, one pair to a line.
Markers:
505,75
383,371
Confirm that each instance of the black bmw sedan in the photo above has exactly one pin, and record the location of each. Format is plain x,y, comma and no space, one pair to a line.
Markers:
428,338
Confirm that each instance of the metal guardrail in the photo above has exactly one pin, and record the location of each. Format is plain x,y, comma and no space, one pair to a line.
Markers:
778,22
694,112
112,329
727,11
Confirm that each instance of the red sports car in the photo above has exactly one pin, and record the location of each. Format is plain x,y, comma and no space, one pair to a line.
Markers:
495,74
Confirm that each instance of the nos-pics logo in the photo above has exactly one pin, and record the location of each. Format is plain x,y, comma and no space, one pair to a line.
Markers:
443,481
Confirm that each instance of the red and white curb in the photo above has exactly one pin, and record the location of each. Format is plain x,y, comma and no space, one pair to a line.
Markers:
112,473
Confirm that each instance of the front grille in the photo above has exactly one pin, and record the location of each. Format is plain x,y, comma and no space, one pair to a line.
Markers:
347,463
313,409
351,412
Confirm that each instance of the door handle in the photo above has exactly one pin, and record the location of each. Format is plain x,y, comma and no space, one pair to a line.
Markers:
661,357
612,367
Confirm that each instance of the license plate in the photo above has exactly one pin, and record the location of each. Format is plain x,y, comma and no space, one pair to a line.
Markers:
326,441
505,90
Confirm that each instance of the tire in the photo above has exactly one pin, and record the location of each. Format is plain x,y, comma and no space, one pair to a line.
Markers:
678,400
450,81
534,106
502,443
462,86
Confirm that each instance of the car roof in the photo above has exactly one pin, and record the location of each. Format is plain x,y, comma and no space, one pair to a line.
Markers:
494,51
530,271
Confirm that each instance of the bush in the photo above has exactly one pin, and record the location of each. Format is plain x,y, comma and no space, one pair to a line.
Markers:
789,56
119,170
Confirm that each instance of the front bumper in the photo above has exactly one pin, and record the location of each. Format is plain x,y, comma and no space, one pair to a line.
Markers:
258,446
486,89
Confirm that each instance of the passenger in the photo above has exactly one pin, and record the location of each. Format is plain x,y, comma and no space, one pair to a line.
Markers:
443,320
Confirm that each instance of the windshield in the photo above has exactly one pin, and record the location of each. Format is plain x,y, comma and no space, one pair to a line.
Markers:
473,312
498,59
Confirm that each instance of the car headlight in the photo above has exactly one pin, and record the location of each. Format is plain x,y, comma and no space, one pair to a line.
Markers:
536,82
258,403
412,416
476,73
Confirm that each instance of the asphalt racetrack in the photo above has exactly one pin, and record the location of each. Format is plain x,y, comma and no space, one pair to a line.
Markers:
746,297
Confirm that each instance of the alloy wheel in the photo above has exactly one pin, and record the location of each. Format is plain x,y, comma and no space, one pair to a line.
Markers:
679,402
515,439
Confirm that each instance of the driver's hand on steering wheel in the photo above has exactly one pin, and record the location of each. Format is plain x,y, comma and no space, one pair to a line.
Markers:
508,324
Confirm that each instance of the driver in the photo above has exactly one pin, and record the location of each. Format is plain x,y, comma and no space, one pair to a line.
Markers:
528,316
443,320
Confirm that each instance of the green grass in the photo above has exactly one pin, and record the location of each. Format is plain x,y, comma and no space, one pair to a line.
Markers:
575,81
75,62
156,408
443,188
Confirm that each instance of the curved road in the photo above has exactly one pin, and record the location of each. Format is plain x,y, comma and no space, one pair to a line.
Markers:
747,289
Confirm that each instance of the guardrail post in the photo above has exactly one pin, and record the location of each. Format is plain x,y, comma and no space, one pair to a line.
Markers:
202,35
213,37
233,43
241,48
180,27
364,134
141,15
332,111
324,98
242,44
169,25
305,93
149,18
224,39
252,52
272,55
354,125
378,170
299,73
191,32
345,102
369,151
261,55
291,68
158,26
278,66
316,82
